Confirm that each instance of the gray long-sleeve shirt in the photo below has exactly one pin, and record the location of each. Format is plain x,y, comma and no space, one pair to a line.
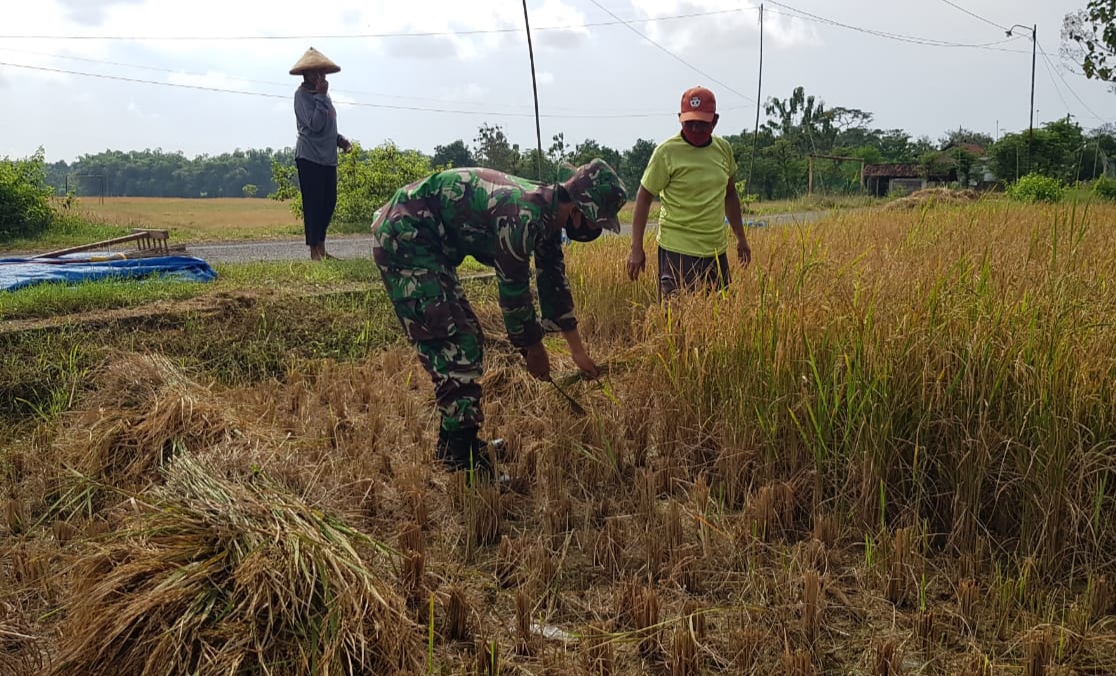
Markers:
316,120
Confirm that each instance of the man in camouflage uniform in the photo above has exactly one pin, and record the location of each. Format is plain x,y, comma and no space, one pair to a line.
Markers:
427,230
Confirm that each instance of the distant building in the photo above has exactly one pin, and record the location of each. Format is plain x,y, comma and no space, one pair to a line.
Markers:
941,168
881,179
980,175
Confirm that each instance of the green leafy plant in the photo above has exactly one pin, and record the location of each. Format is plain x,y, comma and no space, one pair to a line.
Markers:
24,198
366,179
1105,188
1036,188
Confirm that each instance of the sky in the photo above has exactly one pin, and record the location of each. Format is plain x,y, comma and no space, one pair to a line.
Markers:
211,76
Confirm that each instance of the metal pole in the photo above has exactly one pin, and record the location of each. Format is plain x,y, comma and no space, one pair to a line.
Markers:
1031,128
534,88
759,102
810,185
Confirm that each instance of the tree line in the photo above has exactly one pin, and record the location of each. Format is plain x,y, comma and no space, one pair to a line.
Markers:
773,163
155,173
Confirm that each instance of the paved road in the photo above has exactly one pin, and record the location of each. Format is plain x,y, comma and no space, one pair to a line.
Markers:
360,246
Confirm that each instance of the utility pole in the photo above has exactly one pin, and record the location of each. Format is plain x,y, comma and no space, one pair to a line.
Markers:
534,89
1034,55
759,102
1031,128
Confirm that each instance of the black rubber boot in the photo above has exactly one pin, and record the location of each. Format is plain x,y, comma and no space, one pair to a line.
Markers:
462,451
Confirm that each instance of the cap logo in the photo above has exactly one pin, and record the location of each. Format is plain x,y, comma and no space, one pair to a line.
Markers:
695,102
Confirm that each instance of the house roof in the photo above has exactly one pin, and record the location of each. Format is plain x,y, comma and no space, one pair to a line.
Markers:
909,170
893,170
971,147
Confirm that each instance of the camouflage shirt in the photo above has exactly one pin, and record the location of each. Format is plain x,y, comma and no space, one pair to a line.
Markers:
498,219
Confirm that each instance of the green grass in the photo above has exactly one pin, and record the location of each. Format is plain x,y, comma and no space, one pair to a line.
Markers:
302,273
48,300
294,277
68,231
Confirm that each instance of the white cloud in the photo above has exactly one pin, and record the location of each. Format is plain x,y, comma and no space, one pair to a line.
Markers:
135,109
92,12
721,25
32,67
464,93
342,101
545,77
210,80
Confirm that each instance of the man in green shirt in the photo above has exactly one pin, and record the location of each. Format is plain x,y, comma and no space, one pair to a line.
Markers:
427,230
693,174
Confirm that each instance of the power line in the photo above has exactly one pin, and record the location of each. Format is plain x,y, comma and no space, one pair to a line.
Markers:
974,15
364,36
285,85
1050,64
1057,89
672,54
898,37
386,106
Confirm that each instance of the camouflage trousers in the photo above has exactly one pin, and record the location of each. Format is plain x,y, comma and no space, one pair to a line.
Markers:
440,323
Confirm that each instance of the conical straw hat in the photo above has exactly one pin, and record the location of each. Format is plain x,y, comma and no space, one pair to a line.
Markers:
314,60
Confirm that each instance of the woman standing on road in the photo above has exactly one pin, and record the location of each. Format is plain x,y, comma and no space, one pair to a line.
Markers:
316,149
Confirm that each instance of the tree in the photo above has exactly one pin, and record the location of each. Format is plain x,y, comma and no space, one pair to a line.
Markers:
24,198
962,136
456,154
494,150
250,189
588,150
154,173
633,163
1089,38
559,151
527,166
802,120
366,180
896,146
1056,152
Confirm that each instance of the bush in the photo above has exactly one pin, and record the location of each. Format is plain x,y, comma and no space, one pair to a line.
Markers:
1105,188
1036,188
366,180
24,198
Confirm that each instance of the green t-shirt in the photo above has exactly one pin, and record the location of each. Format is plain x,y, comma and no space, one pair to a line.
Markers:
691,184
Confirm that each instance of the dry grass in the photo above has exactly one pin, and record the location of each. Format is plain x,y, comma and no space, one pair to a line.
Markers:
220,575
929,197
888,449
195,220
139,411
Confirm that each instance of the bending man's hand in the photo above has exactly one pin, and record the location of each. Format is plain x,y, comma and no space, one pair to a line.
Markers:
580,355
743,252
637,260
538,361
586,364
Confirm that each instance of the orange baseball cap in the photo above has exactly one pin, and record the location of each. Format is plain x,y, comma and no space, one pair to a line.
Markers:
698,103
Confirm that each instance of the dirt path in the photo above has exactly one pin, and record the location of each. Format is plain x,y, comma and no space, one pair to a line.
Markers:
360,246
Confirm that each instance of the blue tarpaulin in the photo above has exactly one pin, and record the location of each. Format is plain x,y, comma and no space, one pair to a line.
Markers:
17,273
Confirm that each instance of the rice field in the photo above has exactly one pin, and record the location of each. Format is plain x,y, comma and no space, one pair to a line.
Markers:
195,220
890,448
